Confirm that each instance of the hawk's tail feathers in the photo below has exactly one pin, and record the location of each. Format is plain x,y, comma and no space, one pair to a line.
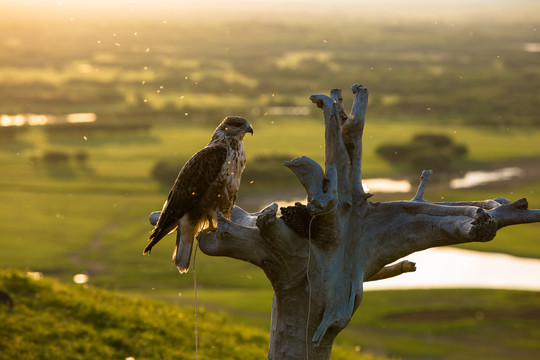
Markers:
182,254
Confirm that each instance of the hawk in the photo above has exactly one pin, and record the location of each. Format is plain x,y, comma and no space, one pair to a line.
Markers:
207,183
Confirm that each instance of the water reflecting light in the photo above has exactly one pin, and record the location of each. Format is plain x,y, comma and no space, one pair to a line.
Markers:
381,185
42,119
476,178
448,267
531,47
15,120
81,118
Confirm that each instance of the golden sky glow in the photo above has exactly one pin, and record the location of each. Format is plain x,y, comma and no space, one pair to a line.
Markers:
296,9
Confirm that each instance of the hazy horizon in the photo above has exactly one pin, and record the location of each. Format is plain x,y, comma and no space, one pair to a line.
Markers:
295,10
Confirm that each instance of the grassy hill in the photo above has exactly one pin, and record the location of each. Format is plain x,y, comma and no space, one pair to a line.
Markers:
50,320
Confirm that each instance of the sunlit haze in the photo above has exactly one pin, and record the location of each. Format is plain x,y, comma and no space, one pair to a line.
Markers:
295,10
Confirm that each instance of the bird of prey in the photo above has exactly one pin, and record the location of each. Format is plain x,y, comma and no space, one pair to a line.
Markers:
207,183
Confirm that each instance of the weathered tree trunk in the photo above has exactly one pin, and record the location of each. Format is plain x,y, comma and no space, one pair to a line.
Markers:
318,279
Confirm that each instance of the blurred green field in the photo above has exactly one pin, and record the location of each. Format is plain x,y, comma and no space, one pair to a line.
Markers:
94,219
474,72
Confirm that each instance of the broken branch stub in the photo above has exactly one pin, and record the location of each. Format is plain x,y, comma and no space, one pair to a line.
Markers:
318,276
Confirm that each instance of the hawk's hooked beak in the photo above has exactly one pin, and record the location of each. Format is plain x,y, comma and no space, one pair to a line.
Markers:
250,130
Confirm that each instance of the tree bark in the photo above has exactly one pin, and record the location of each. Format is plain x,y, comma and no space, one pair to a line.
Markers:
318,279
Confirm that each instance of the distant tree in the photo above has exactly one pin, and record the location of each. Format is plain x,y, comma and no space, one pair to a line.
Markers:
165,172
268,170
435,151
11,132
81,157
54,158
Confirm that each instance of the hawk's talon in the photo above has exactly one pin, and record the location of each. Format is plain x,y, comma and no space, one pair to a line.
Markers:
209,230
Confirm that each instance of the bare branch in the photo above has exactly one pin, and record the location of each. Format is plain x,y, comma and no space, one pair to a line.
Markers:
327,199
269,224
323,194
398,229
485,204
335,151
424,179
338,98
359,108
241,217
352,133
393,270
514,213
310,174
233,240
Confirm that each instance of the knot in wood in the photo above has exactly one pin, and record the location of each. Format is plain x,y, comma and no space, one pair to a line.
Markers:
298,218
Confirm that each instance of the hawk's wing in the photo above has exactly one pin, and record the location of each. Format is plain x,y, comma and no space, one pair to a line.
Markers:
190,185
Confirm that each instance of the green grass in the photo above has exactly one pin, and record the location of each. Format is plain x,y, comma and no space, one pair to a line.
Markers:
448,324
50,320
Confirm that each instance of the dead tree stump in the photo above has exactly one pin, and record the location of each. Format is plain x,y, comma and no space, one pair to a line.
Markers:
318,275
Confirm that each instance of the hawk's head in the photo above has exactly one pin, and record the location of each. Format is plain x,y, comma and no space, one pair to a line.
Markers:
234,126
